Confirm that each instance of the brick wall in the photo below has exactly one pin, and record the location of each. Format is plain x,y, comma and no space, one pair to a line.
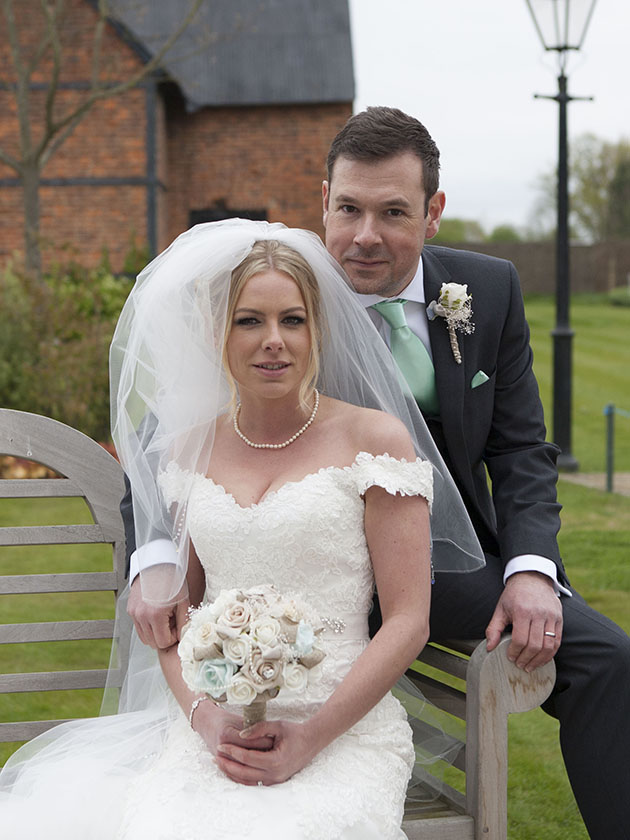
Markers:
266,158
109,143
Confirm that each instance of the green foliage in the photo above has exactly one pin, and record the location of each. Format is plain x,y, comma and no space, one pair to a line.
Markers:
458,230
54,343
505,233
599,192
136,257
620,296
619,201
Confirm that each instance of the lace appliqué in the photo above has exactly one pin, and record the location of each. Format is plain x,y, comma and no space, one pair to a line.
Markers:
409,478
307,536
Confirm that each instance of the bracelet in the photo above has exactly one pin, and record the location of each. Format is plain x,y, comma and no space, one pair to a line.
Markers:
193,708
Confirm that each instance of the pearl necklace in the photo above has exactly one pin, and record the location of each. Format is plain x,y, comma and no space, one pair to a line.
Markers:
276,445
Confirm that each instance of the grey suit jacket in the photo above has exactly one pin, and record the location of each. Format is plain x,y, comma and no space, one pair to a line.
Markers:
498,425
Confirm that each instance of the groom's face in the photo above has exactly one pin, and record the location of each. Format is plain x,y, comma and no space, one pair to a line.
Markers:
376,222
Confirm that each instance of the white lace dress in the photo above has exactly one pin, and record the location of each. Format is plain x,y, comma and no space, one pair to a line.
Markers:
306,537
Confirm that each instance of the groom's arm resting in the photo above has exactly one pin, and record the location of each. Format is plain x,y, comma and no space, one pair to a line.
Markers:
521,465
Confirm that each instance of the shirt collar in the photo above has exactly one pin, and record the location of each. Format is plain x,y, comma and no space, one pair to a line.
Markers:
413,291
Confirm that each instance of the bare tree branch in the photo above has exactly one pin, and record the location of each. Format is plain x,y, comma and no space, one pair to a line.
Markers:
33,157
22,84
43,45
99,31
66,125
52,35
14,163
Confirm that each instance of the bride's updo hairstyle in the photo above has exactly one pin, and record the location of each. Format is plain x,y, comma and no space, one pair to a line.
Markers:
269,254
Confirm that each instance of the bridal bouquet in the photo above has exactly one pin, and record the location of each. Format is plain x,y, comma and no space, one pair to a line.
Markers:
247,645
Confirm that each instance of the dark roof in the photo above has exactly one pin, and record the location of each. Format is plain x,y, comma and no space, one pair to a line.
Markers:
249,52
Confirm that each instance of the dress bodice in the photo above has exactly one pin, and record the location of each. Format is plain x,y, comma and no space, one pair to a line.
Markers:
306,537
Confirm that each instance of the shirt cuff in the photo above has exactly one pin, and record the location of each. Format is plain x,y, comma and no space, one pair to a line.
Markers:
535,563
151,554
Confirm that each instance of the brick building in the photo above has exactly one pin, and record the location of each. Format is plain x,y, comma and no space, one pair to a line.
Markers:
238,122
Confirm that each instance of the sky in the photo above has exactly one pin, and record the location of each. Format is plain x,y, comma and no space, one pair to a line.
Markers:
468,69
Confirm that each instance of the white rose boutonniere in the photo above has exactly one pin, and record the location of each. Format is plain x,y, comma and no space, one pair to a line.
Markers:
454,305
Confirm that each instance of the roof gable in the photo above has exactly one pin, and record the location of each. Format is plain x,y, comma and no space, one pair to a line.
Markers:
249,52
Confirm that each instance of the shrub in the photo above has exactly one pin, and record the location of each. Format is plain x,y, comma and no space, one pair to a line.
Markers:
620,296
54,343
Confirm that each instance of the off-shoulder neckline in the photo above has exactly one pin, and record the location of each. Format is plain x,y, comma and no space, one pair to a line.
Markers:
361,458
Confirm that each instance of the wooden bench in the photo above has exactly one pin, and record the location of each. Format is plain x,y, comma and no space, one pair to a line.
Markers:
494,688
90,473
487,686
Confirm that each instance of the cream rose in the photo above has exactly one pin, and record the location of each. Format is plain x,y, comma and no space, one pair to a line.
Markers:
234,620
237,649
295,676
240,691
265,630
226,598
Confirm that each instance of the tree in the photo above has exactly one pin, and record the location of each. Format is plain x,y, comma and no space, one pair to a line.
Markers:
505,233
459,230
619,202
42,130
599,191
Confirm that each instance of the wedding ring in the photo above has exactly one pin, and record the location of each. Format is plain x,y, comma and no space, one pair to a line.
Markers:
259,783
549,633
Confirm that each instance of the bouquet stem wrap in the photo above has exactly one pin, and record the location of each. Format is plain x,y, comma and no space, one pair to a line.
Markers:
255,712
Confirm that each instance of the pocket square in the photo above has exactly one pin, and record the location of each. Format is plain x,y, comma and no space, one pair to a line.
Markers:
478,379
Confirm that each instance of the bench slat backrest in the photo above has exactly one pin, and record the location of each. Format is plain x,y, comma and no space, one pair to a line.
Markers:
88,472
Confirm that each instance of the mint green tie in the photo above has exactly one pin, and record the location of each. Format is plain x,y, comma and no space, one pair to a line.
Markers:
411,356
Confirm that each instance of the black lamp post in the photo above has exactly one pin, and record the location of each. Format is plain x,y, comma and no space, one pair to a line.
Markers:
561,26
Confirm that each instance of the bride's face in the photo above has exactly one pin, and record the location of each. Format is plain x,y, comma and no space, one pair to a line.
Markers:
269,344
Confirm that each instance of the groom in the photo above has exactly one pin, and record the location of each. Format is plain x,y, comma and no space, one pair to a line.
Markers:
381,202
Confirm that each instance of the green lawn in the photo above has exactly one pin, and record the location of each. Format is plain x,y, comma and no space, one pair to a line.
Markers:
601,373
594,539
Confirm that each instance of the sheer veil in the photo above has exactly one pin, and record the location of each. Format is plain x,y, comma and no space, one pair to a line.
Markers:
168,387
168,384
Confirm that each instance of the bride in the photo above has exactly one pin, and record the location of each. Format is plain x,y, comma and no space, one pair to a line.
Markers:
241,366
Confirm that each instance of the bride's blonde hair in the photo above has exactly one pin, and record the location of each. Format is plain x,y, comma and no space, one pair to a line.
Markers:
270,254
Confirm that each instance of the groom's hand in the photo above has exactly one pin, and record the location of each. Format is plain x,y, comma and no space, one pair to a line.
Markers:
530,604
158,626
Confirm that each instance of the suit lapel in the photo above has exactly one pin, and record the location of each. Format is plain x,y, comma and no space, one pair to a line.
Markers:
450,378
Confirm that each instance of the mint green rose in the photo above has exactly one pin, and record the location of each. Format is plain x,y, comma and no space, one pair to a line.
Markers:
214,676
304,638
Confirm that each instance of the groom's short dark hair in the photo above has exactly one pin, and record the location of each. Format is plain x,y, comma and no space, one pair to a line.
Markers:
379,133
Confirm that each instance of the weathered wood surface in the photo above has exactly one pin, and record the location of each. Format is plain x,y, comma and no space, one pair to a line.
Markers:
495,688
89,473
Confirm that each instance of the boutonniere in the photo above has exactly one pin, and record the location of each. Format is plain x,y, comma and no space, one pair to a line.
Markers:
453,304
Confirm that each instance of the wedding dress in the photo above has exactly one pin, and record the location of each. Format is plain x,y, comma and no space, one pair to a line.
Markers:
306,537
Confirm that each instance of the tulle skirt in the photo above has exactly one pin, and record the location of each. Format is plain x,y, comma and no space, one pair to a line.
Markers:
148,776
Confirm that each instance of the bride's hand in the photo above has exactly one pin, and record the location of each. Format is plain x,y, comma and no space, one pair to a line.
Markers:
291,751
218,726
